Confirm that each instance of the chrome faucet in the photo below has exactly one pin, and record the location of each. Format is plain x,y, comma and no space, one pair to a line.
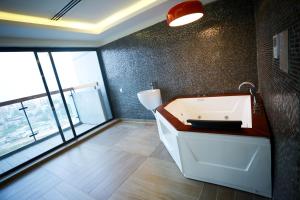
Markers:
252,89
152,85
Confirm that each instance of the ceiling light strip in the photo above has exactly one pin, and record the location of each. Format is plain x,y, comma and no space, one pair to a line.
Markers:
85,27
65,9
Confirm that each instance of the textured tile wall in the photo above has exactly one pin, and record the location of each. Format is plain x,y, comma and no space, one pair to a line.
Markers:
281,91
212,55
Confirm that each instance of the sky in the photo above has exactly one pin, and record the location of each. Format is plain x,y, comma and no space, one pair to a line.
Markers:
20,76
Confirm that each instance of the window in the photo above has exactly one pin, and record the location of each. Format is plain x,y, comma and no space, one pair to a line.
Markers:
39,113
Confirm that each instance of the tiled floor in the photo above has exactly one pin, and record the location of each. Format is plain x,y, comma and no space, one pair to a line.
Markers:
127,161
37,148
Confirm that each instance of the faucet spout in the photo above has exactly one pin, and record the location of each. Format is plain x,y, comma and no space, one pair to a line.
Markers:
153,85
252,89
246,83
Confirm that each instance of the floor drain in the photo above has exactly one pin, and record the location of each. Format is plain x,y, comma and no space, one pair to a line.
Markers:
226,117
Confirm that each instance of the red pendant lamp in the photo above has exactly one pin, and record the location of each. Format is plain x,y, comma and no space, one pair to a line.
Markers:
185,13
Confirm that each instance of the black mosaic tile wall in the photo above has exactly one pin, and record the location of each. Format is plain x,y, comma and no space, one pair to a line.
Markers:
281,91
213,55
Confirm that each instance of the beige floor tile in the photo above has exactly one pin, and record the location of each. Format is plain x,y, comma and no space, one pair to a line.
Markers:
158,179
30,186
240,195
209,192
224,193
64,191
162,153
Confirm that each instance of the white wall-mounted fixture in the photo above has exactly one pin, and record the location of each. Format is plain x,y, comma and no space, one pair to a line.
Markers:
281,50
150,99
284,51
276,46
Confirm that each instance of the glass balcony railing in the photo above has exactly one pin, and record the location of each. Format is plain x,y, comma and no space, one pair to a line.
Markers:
29,120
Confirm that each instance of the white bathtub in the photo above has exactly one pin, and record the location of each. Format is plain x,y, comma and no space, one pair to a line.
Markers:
239,159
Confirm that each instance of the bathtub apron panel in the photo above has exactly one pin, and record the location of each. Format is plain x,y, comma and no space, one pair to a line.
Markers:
168,135
239,162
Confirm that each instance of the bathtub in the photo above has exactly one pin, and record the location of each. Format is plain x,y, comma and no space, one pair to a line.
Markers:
239,159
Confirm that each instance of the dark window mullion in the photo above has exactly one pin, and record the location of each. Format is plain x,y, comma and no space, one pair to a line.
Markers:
62,94
105,82
49,97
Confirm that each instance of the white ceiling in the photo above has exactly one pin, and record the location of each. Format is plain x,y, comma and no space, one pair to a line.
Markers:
91,11
33,7
95,10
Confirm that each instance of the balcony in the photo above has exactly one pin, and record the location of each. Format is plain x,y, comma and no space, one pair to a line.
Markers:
28,126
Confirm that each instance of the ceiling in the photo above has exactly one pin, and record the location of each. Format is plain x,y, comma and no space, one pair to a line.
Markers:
90,23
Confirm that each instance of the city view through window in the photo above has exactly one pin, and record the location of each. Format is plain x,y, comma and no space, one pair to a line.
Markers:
29,125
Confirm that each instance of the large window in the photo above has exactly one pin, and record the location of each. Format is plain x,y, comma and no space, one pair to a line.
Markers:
81,72
47,99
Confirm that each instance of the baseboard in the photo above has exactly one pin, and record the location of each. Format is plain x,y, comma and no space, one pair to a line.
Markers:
137,120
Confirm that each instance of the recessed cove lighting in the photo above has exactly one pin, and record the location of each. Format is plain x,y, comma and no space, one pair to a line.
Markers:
84,27
185,13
